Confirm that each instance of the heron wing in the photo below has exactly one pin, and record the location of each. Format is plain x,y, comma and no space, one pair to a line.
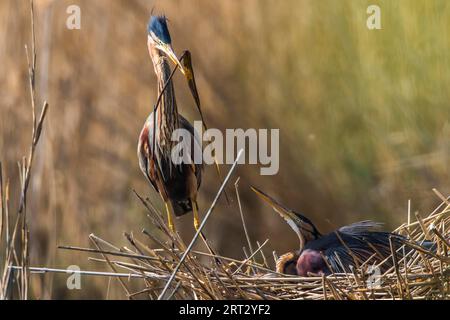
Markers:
342,259
145,154
367,239
345,249
162,173
361,227
339,259
196,144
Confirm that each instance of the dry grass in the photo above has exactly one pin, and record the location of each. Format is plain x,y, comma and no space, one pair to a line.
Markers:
16,241
174,271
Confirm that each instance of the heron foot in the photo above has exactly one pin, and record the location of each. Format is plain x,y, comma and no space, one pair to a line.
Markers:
196,218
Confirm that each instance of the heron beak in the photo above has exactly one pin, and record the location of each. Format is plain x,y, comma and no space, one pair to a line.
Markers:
282,211
168,50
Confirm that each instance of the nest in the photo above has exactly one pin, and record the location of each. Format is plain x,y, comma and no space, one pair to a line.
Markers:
175,271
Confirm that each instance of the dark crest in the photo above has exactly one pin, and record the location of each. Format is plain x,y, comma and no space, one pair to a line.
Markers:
158,25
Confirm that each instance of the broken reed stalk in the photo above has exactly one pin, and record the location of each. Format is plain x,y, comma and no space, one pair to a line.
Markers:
205,219
244,225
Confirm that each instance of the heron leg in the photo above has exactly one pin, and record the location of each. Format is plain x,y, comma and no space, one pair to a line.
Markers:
197,226
170,218
195,212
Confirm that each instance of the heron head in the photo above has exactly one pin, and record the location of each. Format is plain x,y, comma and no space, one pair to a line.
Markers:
159,38
301,225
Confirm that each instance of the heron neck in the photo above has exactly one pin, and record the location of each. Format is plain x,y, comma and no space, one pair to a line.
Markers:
167,114
302,239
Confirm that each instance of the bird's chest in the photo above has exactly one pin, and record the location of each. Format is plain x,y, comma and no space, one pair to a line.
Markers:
165,135
161,135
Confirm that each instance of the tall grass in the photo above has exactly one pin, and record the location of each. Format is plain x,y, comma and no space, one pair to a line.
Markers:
14,242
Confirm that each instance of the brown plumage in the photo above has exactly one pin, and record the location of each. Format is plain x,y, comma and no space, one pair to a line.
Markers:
176,183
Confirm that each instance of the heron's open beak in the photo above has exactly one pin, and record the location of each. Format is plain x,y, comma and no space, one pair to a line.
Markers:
168,50
282,211
285,213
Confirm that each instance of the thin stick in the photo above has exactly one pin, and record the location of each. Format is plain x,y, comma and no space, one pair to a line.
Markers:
249,258
441,196
409,213
37,270
205,219
119,254
396,267
187,64
2,210
263,255
440,236
422,225
236,185
94,241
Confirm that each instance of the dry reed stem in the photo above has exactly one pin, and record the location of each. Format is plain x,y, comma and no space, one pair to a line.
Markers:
14,243
418,274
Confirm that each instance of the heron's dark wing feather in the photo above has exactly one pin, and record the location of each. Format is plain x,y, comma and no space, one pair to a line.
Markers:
342,259
196,144
361,227
339,259
360,245
145,154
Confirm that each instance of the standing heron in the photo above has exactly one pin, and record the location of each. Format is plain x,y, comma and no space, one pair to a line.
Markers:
177,184
337,251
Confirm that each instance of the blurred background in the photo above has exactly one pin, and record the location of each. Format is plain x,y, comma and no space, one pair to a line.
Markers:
364,116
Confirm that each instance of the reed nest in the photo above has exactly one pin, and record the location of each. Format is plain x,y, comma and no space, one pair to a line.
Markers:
173,271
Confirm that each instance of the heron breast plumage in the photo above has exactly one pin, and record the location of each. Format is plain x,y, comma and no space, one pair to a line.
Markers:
161,163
